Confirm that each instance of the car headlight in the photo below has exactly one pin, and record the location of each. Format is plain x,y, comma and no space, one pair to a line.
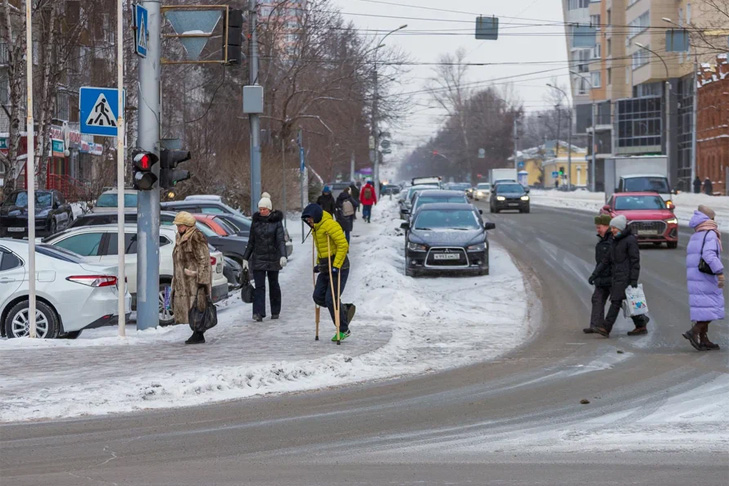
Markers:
672,221
478,247
500,198
416,247
480,193
525,198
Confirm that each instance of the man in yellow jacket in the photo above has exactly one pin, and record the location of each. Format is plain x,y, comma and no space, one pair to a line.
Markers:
335,253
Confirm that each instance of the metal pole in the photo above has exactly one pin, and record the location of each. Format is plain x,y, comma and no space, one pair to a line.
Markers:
375,149
148,201
121,247
569,149
516,164
694,112
254,118
30,166
302,175
283,176
351,167
594,146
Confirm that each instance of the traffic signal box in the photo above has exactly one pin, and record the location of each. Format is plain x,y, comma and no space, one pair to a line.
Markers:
169,175
143,177
232,49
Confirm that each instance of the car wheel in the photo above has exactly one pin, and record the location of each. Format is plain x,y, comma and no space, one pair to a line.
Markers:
166,316
17,323
672,245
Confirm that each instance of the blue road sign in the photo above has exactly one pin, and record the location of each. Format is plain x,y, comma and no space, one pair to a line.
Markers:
141,34
99,109
555,174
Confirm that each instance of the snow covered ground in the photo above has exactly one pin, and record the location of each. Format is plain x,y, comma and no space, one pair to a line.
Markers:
403,326
583,200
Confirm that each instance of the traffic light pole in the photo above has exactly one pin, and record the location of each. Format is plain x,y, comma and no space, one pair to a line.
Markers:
254,118
148,201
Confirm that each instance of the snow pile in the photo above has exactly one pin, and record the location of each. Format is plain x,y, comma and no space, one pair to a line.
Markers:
403,326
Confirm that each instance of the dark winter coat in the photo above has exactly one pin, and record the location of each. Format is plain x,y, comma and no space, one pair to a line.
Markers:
697,186
603,278
354,194
708,187
192,252
346,222
327,203
266,242
624,261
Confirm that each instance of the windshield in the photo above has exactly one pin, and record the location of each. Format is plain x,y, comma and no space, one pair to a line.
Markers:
20,199
641,184
459,219
639,202
485,185
504,188
109,200
433,199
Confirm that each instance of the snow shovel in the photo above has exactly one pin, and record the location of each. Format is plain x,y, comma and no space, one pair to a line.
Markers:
337,299
317,309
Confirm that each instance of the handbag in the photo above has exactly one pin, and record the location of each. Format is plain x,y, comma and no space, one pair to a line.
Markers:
703,266
202,319
246,292
635,303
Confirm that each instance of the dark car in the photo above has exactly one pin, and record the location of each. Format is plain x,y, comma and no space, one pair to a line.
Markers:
232,246
201,205
406,202
52,214
509,195
447,237
389,190
459,186
166,218
432,196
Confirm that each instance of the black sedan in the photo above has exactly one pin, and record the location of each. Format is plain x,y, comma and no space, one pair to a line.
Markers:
52,214
509,195
447,237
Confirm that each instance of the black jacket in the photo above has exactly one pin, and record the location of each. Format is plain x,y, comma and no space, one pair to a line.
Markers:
326,201
346,222
266,242
708,187
697,186
624,261
354,194
603,278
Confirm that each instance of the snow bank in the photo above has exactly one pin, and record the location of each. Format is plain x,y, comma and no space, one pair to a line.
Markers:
403,326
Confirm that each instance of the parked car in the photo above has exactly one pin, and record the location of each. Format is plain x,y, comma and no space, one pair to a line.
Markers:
435,196
447,237
389,189
108,201
98,244
338,187
406,203
648,216
72,294
232,246
482,191
509,195
241,224
203,204
52,214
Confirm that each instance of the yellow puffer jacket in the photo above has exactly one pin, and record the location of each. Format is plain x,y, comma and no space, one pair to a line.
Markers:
329,228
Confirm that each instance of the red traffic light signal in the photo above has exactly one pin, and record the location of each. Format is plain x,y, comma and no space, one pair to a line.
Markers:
143,177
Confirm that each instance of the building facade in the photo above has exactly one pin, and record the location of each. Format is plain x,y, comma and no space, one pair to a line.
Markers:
712,124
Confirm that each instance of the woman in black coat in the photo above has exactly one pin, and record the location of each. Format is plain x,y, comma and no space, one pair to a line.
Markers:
267,246
345,212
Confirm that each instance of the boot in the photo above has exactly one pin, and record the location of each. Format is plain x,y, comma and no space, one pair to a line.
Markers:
641,327
257,318
704,339
588,330
196,338
693,337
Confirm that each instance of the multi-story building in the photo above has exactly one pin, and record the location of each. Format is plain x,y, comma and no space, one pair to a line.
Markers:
712,124
287,15
642,94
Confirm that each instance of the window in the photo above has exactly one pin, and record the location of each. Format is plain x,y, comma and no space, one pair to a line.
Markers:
609,76
638,25
638,203
109,200
8,260
609,47
575,4
609,17
212,210
641,57
4,88
86,244
597,51
596,79
595,21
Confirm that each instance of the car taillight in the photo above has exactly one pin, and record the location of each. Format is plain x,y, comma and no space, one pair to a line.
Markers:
213,260
93,280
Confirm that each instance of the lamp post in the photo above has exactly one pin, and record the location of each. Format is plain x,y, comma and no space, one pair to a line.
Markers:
375,131
594,143
569,139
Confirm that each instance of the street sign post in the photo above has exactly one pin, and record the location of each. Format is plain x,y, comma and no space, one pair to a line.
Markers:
99,109
141,34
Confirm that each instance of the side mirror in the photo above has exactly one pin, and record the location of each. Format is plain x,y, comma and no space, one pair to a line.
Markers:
527,190
405,226
606,208
489,226
480,211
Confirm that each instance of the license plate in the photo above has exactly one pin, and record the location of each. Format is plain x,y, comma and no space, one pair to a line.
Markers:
16,230
446,256
647,232
513,204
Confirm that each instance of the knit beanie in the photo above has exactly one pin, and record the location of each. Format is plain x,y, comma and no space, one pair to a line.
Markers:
265,194
602,219
619,222
707,211
326,190
265,203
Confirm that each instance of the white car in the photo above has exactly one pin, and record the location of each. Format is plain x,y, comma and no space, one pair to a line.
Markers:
482,191
71,293
98,244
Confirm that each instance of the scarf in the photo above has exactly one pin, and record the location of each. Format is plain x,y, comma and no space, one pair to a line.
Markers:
710,225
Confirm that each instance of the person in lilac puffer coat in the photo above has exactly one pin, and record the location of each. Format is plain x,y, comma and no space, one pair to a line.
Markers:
706,297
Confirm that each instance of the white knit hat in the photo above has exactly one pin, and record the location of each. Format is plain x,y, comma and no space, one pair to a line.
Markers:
265,202
619,222
265,194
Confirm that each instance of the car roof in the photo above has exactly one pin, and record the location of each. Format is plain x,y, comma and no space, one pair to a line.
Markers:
441,193
204,197
637,193
644,175
126,191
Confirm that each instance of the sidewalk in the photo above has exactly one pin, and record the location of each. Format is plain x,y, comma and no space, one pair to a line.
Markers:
403,326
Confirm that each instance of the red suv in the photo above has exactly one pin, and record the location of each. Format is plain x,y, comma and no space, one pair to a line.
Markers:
648,217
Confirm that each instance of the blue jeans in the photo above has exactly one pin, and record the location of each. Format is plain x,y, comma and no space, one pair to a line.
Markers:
367,212
259,295
323,296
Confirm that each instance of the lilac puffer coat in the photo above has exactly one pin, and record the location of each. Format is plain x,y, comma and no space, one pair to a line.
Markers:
705,297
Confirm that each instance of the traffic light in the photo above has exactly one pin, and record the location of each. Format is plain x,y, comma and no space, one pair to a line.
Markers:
233,40
561,171
169,175
144,178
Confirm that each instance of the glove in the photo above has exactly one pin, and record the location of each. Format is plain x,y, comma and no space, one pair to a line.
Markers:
245,264
721,280
634,284
591,280
283,262
190,273
317,269
334,270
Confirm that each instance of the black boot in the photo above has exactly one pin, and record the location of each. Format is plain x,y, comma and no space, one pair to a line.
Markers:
196,338
257,318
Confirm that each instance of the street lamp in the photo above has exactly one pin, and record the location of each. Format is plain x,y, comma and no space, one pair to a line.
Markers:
594,144
569,139
375,131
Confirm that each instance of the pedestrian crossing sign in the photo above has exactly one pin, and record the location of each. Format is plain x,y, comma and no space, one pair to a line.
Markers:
99,110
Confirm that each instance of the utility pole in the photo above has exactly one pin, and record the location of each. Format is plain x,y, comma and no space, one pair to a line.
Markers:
516,138
148,201
375,148
254,118
30,166
121,247
283,176
302,176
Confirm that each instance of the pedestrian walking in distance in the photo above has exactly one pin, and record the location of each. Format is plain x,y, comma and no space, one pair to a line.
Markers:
708,187
265,256
192,277
367,198
697,185
602,280
705,277
354,192
345,212
331,248
326,200
624,261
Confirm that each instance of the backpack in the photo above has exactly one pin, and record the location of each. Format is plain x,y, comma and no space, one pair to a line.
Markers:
368,193
347,208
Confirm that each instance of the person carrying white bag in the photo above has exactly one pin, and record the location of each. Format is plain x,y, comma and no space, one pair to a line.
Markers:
624,258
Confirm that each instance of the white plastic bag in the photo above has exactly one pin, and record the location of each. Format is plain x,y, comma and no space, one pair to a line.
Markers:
635,303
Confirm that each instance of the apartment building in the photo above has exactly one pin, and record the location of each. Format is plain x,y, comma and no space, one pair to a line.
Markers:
642,94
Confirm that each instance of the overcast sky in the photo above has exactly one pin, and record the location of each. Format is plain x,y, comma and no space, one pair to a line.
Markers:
537,46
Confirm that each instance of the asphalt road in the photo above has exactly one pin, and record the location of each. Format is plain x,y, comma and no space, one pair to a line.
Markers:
492,423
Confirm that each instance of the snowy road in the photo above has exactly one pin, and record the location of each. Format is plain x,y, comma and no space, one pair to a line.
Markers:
656,414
